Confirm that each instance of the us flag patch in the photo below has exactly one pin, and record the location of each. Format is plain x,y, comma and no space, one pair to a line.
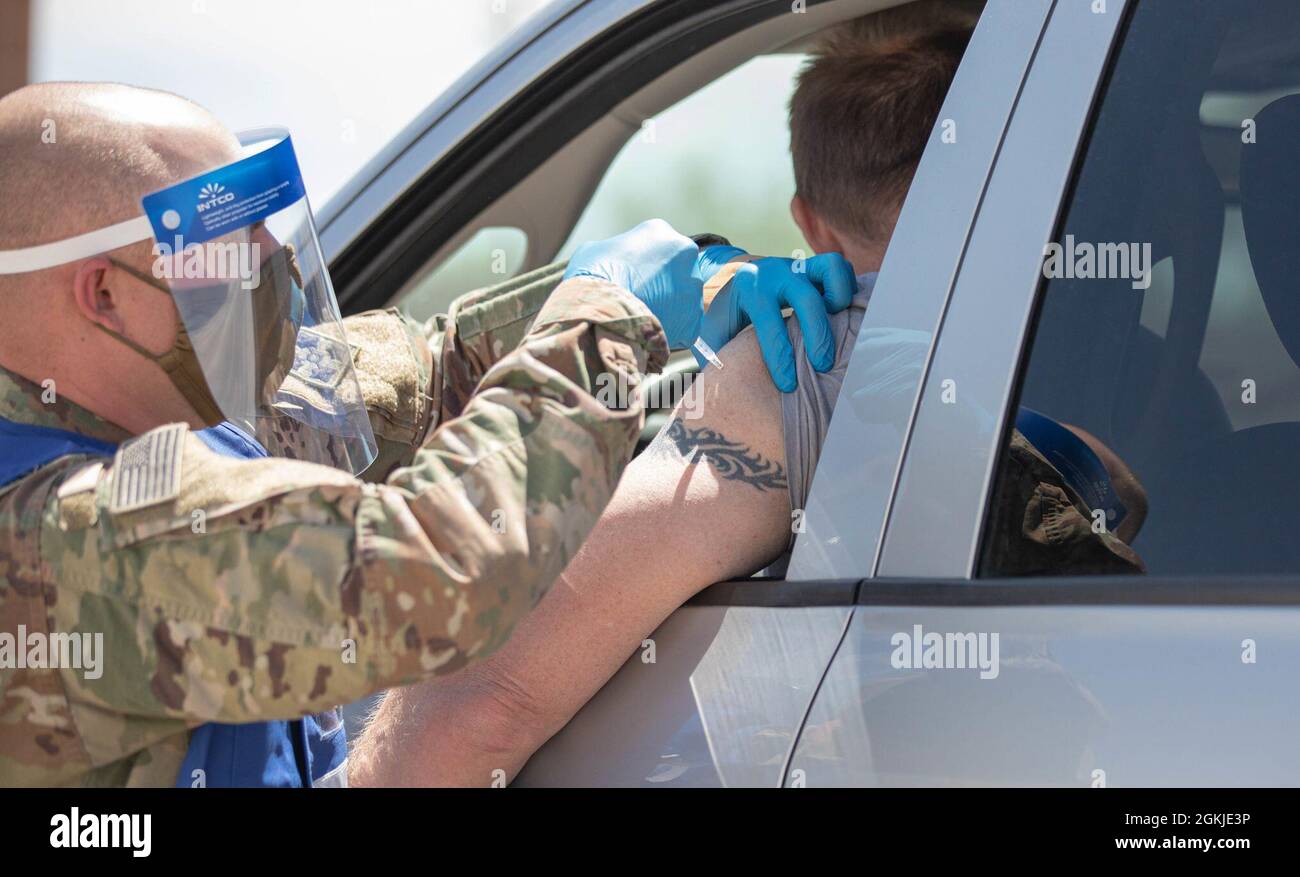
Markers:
147,469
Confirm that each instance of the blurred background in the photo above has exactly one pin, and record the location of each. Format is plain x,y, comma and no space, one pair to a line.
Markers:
346,77
343,76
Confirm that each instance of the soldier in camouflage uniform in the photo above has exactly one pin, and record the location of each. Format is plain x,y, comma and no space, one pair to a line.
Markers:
299,563
252,590
304,587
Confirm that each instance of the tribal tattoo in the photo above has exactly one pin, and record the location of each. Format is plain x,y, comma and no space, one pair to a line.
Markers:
733,461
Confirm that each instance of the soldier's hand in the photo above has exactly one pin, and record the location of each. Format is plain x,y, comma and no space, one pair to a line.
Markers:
653,262
757,292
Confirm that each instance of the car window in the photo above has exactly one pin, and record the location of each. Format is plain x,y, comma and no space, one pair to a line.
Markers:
491,256
1161,380
717,161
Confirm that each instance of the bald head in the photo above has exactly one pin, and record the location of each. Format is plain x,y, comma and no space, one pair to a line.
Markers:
80,156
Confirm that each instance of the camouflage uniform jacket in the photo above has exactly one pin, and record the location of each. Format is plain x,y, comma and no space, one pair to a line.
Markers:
269,589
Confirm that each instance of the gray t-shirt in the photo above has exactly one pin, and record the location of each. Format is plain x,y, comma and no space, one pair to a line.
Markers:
806,413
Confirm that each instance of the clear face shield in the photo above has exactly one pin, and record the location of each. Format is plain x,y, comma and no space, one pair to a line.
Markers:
262,344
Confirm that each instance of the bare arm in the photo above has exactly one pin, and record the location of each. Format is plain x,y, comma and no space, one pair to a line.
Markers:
706,502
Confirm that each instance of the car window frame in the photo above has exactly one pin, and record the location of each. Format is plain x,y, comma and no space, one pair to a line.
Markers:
987,327
466,106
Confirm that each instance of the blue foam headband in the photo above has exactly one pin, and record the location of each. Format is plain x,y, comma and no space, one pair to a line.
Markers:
1081,468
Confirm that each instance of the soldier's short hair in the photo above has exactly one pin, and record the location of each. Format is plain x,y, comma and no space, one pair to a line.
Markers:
864,106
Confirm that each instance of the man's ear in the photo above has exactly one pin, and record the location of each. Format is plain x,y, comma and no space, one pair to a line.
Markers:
93,298
820,236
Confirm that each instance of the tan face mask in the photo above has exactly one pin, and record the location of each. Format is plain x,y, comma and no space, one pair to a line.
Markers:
274,326
180,362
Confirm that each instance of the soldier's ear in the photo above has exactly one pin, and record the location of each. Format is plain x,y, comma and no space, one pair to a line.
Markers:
94,296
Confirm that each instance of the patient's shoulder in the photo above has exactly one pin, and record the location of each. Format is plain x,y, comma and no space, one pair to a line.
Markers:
844,327
739,397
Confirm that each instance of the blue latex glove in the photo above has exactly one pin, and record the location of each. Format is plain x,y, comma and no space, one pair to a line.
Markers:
655,264
813,287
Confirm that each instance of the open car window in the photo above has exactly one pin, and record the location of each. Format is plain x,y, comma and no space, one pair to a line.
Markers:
717,161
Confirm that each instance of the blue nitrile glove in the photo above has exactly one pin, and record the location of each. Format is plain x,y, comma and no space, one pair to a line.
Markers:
813,287
655,264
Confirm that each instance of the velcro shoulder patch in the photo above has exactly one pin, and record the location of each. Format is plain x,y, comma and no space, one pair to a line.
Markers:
147,469
82,480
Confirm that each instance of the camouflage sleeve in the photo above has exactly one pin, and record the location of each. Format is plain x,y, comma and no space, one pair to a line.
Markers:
273,588
415,375
480,328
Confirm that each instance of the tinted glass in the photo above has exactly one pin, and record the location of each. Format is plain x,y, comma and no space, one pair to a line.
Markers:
1164,358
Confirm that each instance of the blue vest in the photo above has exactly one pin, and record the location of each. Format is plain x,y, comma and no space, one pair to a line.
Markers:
294,753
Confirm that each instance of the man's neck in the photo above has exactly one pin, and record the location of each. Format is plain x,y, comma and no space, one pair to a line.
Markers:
23,400
865,258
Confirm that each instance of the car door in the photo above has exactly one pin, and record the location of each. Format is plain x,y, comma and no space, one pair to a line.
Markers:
716,694
1164,128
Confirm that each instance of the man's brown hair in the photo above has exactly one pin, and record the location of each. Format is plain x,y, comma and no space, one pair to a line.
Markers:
865,104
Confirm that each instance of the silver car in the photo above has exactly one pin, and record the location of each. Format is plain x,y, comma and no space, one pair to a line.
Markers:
1154,145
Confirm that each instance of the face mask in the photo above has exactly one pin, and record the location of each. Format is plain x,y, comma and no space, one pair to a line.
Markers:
278,313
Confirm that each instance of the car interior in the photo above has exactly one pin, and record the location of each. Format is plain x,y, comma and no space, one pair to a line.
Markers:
536,221
1194,381
1156,374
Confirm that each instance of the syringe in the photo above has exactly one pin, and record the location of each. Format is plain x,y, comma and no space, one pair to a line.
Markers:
707,352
